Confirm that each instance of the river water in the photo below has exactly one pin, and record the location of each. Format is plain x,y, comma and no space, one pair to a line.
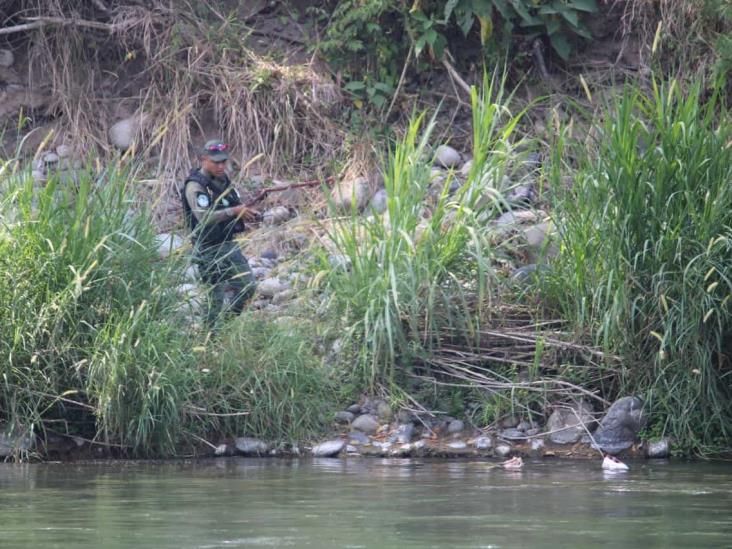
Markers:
354,503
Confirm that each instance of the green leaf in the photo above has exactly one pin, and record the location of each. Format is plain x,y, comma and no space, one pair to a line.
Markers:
465,21
561,45
449,7
482,8
571,16
355,85
584,5
552,26
503,9
582,30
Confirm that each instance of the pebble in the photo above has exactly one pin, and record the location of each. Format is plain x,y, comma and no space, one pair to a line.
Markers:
250,446
168,243
403,433
344,417
276,215
365,423
353,408
221,450
358,438
64,151
269,254
283,296
513,434
503,450
261,272
465,168
458,445
483,443
271,286
383,410
455,426
6,58
658,448
447,157
537,444
328,448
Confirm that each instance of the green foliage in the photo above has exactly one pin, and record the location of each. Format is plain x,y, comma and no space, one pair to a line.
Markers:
408,275
644,263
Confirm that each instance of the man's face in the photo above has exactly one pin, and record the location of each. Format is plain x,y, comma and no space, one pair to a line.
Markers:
216,169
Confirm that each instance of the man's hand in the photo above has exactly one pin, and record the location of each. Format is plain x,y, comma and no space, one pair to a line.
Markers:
248,214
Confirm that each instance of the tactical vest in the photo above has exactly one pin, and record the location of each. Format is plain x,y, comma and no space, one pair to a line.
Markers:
212,234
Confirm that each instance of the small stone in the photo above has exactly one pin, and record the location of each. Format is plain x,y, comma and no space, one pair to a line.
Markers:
379,201
276,216
365,423
271,286
358,438
269,254
283,296
503,450
403,433
523,195
508,219
344,417
419,445
447,157
191,273
38,176
353,408
328,448
455,426
513,434
250,446
6,58
402,451
351,193
350,449
64,151
567,424
466,167
510,422
261,272
483,443
458,445
383,410
537,444
168,243
123,133
221,450
50,158
523,426
658,449
533,431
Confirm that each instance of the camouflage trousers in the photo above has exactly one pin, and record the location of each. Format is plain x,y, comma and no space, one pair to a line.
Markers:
224,267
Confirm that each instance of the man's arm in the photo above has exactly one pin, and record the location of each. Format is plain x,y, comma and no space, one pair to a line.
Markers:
203,208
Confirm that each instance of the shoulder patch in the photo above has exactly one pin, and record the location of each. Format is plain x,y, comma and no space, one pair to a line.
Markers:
203,200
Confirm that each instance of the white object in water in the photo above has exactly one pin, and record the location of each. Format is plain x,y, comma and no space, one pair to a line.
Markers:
514,463
611,463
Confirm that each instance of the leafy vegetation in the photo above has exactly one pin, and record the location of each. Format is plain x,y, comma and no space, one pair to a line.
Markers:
644,265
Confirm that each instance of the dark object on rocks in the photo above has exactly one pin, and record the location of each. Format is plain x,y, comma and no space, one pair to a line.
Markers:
619,428
528,273
354,409
522,196
658,449
403,434
455,426
328,448
344,417
269,254
569,423
250,446
510,422
365,423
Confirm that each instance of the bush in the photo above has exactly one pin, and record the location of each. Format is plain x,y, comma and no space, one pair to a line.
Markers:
645,257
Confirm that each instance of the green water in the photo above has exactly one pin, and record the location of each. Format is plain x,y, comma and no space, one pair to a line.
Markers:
353,503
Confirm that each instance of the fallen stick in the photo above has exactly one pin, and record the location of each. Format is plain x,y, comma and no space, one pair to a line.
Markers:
261,195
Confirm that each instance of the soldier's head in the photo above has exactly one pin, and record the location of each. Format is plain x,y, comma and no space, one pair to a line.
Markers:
214,157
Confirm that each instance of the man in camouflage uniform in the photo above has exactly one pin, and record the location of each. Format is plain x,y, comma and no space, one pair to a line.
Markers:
215,215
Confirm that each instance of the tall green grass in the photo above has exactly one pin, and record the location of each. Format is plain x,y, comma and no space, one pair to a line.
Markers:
409,275
94,341
645,263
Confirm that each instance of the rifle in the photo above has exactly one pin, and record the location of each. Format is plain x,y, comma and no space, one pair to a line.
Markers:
261,195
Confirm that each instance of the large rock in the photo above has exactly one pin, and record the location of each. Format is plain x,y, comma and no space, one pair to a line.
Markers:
123,133
250,446
328,448
365,423
447,157
351,192
619,428
168,243
660,448
567,424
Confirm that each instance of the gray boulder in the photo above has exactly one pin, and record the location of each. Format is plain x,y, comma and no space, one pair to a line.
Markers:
351,192
619,428
403,434
483,443
328,448
365,423
250,446
378,201
276,215
455,426
567,424
658,449
502,450
123,133
344,417
447,157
